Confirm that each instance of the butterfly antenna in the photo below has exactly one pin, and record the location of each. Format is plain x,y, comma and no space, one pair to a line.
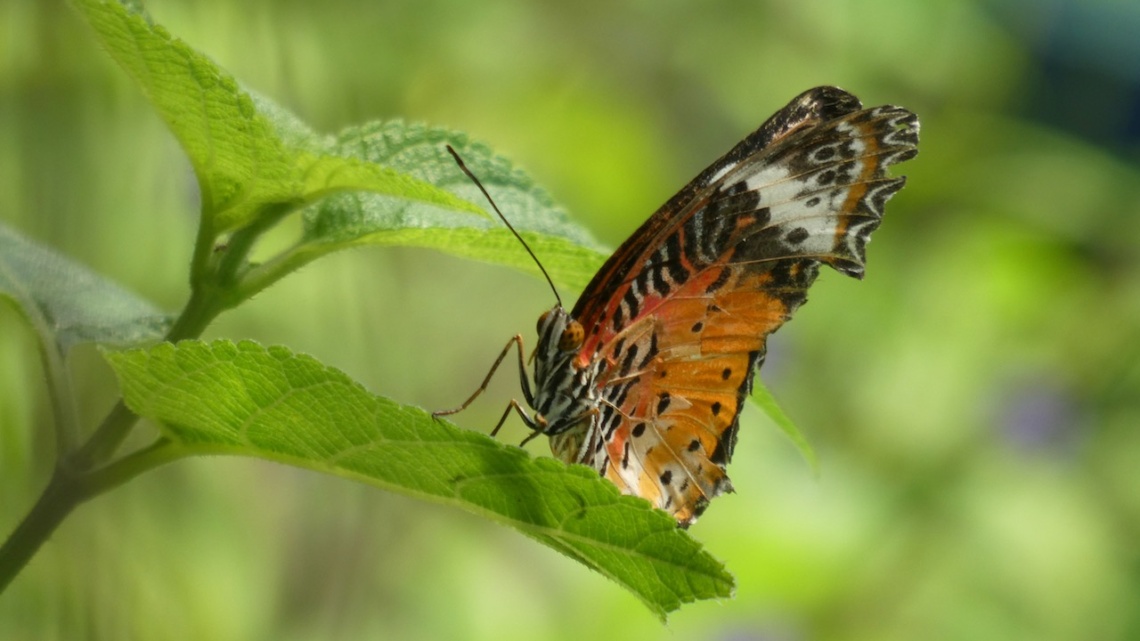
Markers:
459,161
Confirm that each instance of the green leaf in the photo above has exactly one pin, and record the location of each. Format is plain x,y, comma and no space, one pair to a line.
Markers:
390,183
763,397
245,399
567,251
69,304
250,159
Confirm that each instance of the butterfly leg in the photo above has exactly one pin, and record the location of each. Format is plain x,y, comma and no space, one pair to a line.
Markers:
538,425
524,382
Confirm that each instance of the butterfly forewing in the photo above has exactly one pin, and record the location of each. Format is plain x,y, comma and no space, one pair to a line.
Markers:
645,379
676,320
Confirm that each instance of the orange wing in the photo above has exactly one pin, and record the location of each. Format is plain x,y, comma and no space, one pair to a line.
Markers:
682,311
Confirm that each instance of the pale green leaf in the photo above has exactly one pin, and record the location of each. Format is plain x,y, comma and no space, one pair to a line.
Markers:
68,303
763,397
567,251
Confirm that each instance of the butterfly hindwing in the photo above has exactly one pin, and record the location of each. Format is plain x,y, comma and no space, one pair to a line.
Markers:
681,312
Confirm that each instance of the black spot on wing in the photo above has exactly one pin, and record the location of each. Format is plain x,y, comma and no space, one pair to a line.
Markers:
607,415
719,282
699,507
619,318
651,353
735,188
660,285
727,443
797,236
733,201
676,271
790,280
627,362
723,451
632,301
623,392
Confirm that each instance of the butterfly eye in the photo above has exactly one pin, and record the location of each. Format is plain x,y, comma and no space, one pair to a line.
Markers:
542,321
572,337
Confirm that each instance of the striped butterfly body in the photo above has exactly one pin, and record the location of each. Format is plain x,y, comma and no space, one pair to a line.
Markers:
645,378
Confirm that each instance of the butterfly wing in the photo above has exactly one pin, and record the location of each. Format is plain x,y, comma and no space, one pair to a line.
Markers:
682,310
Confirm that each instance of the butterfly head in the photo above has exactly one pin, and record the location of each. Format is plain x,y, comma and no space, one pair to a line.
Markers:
556,327
565,392
559,336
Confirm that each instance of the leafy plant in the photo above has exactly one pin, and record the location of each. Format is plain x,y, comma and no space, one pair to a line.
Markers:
379,184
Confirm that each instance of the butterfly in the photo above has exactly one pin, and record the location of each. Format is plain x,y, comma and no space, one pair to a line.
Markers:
645,378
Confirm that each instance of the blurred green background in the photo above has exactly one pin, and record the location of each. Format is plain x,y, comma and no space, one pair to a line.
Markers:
975,402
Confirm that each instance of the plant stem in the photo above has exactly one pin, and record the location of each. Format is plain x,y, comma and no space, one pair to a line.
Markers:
52,358
107,478
57,501
118,423
200,310
106,439
262,276
60,392
64,492
235,258
78,476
